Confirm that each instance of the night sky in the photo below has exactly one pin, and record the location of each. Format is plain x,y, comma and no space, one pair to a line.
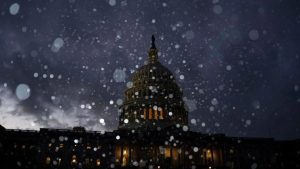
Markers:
67,63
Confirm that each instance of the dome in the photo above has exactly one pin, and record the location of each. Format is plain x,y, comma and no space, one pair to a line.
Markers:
154,99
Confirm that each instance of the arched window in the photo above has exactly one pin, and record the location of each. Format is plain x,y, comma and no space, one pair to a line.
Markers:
145,113
155,114
150,113
161,115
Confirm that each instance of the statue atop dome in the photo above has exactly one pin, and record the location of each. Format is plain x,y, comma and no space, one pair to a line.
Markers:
153,42
153,51
155,100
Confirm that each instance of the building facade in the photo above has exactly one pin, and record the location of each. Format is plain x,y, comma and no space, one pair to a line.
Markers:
152,133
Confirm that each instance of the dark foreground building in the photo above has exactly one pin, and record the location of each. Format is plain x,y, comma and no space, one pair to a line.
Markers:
153,133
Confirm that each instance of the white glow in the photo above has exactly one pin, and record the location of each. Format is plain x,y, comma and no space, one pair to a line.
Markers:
14,9
23,91
112,2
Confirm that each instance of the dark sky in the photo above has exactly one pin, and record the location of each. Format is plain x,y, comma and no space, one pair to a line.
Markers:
67,63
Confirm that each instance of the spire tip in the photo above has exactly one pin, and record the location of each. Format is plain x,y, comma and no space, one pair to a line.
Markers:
153,51
153,42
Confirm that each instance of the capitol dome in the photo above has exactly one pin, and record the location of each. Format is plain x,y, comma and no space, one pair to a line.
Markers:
154,100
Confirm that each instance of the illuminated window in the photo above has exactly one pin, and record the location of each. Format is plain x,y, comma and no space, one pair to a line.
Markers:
155,114
74,160
59,161
161,116
98,162
48,160
208,154
124,160
167,152
150,113
145,113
